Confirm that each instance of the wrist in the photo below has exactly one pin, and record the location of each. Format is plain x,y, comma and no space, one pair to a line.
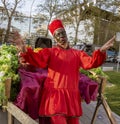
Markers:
102,50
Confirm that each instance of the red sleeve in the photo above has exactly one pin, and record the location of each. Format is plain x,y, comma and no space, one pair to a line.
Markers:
38,59
94,61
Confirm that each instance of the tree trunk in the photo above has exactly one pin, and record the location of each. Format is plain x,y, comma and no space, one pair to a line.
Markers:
76,34
8,30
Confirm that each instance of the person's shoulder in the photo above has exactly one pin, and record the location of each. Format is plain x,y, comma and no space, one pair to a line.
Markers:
51,49
55,48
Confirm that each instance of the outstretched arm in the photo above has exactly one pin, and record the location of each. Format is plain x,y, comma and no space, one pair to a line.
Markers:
17,39
108,44
98,56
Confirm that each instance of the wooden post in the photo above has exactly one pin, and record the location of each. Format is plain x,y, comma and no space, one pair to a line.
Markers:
108,111
10,118
7,93
101,101
7,87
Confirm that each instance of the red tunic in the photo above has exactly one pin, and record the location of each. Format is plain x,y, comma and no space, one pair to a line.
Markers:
60,94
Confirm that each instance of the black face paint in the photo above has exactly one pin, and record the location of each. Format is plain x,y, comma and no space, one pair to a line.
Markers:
60,36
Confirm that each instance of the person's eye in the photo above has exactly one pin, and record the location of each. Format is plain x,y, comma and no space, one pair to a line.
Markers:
58,34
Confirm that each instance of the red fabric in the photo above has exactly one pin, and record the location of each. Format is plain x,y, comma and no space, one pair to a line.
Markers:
60,94
32,82
55,24
58,120
63,120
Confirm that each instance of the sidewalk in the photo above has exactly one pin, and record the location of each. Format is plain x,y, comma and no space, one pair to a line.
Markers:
101,118
114,65
4,119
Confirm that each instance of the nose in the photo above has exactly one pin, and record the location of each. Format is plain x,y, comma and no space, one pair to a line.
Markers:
61,35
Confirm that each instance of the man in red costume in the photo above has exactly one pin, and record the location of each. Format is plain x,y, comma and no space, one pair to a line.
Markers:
61,100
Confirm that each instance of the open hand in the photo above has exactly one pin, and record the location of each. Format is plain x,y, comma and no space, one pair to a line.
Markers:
108,44
16,39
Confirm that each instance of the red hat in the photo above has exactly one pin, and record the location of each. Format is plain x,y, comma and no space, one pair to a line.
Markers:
55,24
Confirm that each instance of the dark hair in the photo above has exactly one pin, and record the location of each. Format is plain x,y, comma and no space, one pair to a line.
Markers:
43,42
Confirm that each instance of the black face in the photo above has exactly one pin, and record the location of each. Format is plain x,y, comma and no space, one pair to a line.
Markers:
60,36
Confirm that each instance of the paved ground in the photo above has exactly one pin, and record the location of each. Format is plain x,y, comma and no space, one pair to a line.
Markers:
114,65
101,117
3,118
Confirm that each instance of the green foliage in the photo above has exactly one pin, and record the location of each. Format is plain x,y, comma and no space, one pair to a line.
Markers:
113,93
8,69
96,71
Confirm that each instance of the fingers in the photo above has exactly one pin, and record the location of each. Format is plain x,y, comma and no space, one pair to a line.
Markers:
22,62
112,39
14,36
108,44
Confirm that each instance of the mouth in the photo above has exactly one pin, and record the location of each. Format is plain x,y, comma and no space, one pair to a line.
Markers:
62,41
